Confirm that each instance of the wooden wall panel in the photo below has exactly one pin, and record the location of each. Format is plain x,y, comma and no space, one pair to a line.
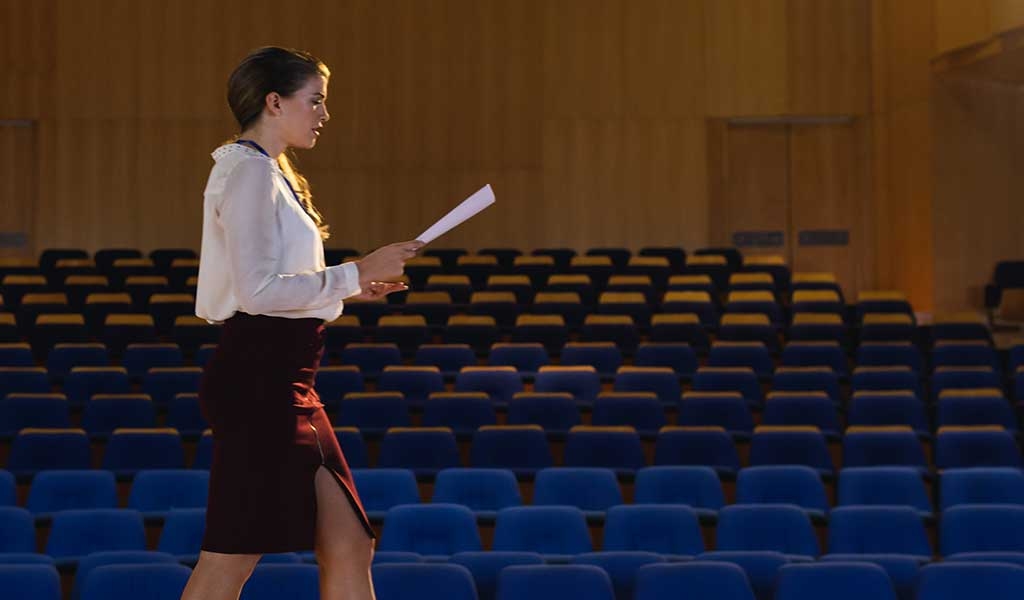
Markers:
960,23
1005,14
18,189
27,59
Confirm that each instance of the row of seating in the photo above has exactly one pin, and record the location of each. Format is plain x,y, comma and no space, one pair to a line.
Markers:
525,449
593,490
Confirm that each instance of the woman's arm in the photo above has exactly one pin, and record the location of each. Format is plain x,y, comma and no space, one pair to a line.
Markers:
248,214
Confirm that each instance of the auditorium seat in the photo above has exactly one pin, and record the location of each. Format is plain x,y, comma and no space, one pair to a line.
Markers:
272,581
435,307
727,410
448,358
484,491
523,449
729,379
122,581
749,327
697,446
709,580
407,332
478,331
17,530
879,408
807,379
582,382
753,355
679,328
425,450
621,330
155,492
620,566
63,357
57,490
553,531
983,406
555,412
333,382
427,581
813,409
979,446
835,580
780,527
18,411
382,489
35,450
39,581
862,531
463,412
163,383
993,485
130,450
896,446
416,383
884,486
617,448
965,581
982,528
433,530
500,383
783,484
605,357
790,445
77,533
662,381
678,356
137,359
371,358
695,486
642,411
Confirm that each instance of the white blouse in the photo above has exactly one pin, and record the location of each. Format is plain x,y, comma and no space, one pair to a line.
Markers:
261,253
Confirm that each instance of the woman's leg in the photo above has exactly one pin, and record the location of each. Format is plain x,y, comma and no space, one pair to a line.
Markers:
219,576
343,549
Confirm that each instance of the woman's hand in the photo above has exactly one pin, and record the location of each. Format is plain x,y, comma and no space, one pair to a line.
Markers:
386,263
376,290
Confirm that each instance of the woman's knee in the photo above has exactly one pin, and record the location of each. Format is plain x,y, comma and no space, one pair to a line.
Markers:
230,566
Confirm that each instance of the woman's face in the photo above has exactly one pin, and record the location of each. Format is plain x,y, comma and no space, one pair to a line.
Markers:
304,113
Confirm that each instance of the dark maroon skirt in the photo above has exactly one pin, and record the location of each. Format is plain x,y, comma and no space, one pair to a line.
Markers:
270,435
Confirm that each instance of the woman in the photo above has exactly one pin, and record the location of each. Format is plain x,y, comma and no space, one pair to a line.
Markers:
278,481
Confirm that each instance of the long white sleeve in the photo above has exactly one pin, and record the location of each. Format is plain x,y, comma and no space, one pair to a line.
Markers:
261,253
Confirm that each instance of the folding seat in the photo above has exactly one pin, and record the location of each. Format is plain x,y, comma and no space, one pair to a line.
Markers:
818,327
701,580
662,381
995,485
668,529
620,566
373,413
966,326
381,558
548,330
729,379
984,406
346,329
104,413
727,410
428,581
692,283
17,354
814,409
504,256
49,257
766,263
17,285
598,268
135,580
434,307
76,533
332,383
58,490
697,487
484,491
430,529
965,581
537,268
82,383
887,327
783,484
448,358
131,450
405,331
678,356
632,304
642,284
7,489
163,258
958,378
382,489
36,450
1015,358
23,380
477,267
619,257
415,383
352,446
425,450
592,490
191,332
139,358
616,448
181,271
810,280
742,354
503,309
123,558
554,531
713,265
867,530
749,327
519,285
124,268
816,354
605,357
36,581
119,330
162,384
817,301
883,302
17,530
838,580
182,533
619,329
525,357
754,302
270,581
983,446
641,410
18,411
459,287
884,486
751,281
780,527
555,412
1018,385
79,287
886,379
500,383
582,382
8,328
371,358
893,446
675,256
420,268
185,414
63,357
897,407
965,354
463,412
691,302
680,328
797,445
142,288
523,449
559,256
155,492
982,528
486,566
697,446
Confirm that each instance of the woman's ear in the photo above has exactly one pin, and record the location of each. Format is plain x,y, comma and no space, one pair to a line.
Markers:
273,103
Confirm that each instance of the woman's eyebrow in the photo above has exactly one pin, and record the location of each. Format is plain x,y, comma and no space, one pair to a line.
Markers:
319,94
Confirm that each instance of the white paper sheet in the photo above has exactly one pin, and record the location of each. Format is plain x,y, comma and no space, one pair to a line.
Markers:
480,200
